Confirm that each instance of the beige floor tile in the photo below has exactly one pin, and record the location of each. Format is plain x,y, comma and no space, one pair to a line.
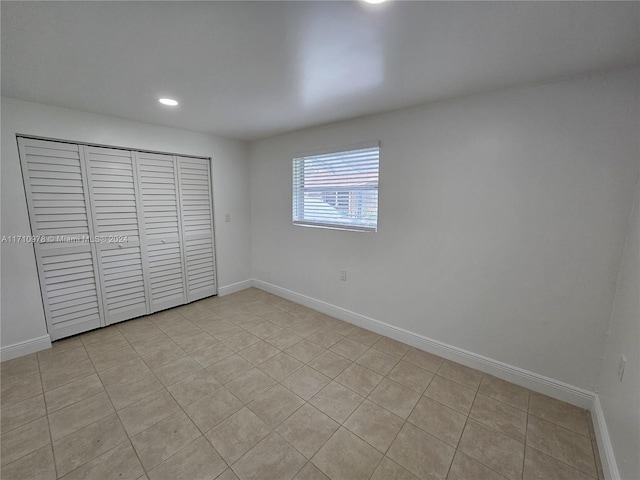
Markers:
221,329
145,344
24,440
240,341
304,350
212,354
394,397
493,449
366,337
330,364
359,379
347,456
124,394
112,358
264,329
375,425
177,370
283,339
160,441
20,388
415,378
196,461
562,444
340,327
25,365
237,434
306,382
280,366
209,411
388,469
310,472
423,359
337,401
100,335
193,341
84,445
271,459
229,368
538,466
377,361
69,419
392,347
438,420
163,355
194,387
349,348
305,327
275,405
38,465
73,392
307,429
465,376
147,412
123,373
250,385
558,412
112,343
60,376
506,392
450,394
120,462
500,416
21,413
324,338
54,358
259,352
466,468
228,474
420,453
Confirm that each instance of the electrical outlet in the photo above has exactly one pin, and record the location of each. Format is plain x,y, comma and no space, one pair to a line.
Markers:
621,364
343,275
227,217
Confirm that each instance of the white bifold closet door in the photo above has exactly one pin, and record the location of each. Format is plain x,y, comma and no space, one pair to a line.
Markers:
158,180
197,226
119,227
61,222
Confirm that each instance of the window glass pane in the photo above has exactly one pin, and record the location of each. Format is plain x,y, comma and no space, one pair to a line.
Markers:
337,190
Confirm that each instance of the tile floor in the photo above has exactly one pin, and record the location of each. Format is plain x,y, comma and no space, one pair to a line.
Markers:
252,386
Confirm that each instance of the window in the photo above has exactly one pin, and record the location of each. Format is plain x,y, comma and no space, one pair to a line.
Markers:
338,189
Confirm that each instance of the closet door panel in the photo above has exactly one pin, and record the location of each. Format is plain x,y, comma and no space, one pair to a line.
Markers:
60,217
157,177
197,226
117,216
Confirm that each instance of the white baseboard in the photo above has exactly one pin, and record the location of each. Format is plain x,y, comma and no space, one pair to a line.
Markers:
533,381
607,457
25,348
235,287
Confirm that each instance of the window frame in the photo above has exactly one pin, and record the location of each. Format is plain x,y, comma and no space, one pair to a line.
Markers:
297,194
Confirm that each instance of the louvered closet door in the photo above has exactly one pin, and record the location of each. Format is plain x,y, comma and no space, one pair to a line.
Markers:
158,184
197,226
56,188
122,261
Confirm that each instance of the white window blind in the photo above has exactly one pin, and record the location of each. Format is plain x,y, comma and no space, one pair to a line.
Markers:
337,190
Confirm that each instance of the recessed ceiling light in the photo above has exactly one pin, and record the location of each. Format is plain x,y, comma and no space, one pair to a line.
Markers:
375,2
168,101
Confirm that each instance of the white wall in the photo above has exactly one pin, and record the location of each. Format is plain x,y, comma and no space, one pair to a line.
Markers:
621,400
22,315
501,222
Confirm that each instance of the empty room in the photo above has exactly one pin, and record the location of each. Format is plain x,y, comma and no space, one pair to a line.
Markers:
320,240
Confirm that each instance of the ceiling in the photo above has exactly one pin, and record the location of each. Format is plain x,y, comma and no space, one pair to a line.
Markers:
248,70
